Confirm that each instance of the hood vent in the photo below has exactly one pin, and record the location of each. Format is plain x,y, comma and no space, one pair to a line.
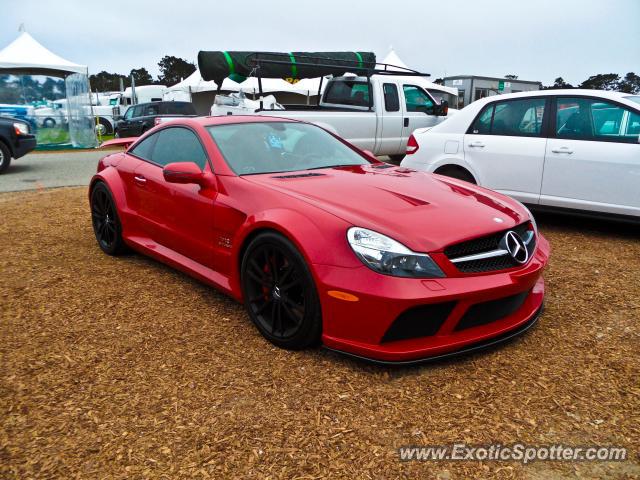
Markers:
301,175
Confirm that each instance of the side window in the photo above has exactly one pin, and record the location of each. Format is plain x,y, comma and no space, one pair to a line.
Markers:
595,120
178,145
416,99
179,108
633,127
347,92
137,111
145,147
129,113
520,118
482,125
151,110
391,98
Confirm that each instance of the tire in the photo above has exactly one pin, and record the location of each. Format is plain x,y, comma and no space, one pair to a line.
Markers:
5,157
103,127
396,158
49,123
106,223
456,172
279,293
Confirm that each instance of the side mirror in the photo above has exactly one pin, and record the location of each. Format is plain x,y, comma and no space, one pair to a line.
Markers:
441,110
183,172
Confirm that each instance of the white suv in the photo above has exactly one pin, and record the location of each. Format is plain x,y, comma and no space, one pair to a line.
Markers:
568,149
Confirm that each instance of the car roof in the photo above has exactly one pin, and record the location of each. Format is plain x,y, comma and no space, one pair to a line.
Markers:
231,119
459,123
160,102
563,92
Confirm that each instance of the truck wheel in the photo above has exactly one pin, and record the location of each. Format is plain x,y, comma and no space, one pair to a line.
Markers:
396,158
49,123
104,127
454,171
5,157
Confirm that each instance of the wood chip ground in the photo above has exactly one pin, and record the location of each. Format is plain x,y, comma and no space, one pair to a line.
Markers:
125,368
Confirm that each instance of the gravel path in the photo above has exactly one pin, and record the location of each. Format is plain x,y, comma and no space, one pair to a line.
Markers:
124,368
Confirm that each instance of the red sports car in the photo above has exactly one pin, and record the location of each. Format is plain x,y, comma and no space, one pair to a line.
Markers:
321,241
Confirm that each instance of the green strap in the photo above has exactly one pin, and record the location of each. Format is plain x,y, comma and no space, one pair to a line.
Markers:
232,69
294,68
359,59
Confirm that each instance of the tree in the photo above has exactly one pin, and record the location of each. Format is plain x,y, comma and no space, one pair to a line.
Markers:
174,69
630,83
558,83
511,77
106,82
602,81
439,81
141,76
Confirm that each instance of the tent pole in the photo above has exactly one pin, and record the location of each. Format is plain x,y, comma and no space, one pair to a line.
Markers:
320,90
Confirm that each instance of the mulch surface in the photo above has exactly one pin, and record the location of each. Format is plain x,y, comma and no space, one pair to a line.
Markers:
124,368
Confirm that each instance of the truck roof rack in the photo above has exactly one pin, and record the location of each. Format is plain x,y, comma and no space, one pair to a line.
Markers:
367,69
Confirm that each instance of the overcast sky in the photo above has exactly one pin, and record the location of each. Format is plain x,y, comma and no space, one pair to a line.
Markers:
534,39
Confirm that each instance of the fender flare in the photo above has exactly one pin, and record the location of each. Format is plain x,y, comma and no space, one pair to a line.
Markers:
445,162
109,176
299,230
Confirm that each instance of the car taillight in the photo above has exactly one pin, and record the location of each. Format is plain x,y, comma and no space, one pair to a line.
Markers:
412,145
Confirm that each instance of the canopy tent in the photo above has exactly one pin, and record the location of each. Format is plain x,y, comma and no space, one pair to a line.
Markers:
26,55
194,83
392,58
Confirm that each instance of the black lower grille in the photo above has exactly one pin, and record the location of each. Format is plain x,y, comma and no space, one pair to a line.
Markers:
487,312
486,244
416,322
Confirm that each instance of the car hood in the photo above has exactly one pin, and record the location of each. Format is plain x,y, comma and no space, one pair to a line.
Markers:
425,212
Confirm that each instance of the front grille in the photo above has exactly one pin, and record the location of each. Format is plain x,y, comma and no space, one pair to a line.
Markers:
487,312
416,322
487,244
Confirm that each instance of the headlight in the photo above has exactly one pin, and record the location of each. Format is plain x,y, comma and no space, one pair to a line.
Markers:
533,220
385,255
21,128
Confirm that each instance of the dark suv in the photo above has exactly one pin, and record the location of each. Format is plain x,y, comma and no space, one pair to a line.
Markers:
140,118
15,140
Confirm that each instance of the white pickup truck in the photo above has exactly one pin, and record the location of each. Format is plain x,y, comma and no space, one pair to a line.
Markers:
378,113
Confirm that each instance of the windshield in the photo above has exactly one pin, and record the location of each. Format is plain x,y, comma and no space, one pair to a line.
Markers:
273,147
635,98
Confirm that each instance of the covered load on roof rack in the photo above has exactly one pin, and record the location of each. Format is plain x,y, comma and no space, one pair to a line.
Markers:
236,65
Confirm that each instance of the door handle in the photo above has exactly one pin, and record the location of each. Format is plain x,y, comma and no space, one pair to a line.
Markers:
406,122
562,150
477,144
140,179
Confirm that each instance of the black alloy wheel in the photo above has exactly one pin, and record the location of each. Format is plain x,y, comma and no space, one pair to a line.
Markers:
106,224
280,293
5,157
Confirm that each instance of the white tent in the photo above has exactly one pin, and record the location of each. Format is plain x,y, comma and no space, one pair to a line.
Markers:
195,84
392,58
26,54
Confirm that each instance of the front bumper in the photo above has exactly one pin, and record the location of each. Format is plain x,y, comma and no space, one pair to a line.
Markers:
361,327
23,144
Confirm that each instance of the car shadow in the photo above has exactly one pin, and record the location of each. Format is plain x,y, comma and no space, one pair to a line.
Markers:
583,224
18,168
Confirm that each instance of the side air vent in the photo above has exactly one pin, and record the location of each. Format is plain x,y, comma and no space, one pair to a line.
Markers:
301,175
